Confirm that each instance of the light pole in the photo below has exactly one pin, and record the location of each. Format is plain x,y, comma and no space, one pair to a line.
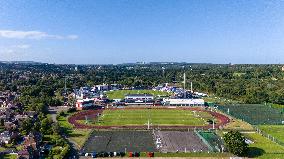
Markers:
213,124
145,98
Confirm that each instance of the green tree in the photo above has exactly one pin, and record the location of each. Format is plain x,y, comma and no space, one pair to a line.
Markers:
46,125
37,126
235,143
56,128
26,126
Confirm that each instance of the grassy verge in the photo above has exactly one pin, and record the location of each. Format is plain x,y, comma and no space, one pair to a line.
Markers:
191,154
79,136
2,148
239,125
274,130
263,147
63,121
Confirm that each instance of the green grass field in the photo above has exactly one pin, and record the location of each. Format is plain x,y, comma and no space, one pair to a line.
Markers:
120,94
263,147
276,131
79,136
175,117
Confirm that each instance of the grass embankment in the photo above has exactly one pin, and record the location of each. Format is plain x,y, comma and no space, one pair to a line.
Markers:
79,136
239,125
276,131
263,147
171,117
120,94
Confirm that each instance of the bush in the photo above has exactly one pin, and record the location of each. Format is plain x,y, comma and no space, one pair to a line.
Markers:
60,142
62,113
71,110
57,116
64,153
55,151
235,143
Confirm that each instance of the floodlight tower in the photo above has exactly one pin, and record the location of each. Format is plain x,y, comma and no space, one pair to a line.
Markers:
145,99
184,82
191,90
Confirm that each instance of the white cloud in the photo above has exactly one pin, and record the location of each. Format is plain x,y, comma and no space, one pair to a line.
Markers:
11,54
16,34
72,36
22,46
9,51
13,51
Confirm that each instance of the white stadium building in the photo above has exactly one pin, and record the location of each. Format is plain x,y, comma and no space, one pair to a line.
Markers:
183,102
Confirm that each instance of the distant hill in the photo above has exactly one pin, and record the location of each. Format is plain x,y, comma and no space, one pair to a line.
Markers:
22,62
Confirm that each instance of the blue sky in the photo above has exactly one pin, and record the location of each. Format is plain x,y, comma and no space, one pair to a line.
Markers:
119,31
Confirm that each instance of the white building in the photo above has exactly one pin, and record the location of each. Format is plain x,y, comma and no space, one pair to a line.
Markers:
85,104
139,99
102,87
183,102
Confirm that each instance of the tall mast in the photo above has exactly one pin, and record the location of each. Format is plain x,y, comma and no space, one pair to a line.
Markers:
65,89
184,79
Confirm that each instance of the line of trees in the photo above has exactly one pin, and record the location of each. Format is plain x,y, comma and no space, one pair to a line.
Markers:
244,83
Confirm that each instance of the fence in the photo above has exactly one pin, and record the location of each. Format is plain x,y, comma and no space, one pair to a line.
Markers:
268,136
254,114
211,140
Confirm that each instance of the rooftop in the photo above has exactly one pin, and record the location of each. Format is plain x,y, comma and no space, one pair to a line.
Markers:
139,95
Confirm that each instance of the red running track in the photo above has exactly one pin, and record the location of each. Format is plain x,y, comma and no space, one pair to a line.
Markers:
223,120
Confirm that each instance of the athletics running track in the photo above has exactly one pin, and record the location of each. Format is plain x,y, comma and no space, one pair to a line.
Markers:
223,120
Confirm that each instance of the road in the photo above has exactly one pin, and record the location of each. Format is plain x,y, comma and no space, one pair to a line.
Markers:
54,110
74,148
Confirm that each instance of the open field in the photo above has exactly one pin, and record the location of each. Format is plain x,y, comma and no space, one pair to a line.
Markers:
255,113
142,141
181,141
263,147
276,131
137,118
78,136
156,116
120,141
120,94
